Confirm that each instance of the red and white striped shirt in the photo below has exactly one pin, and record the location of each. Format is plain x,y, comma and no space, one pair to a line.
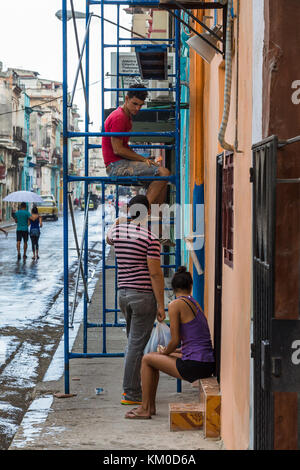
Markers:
133,245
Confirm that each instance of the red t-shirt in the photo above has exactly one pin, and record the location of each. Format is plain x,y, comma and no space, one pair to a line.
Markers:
117,121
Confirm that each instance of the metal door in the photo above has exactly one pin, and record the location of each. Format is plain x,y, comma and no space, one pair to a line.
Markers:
263,177
276,341
218,266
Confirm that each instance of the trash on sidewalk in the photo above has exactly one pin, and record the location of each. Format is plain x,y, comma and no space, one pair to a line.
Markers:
65,395
99,391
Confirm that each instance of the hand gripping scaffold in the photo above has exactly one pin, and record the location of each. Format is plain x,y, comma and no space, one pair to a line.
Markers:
168,140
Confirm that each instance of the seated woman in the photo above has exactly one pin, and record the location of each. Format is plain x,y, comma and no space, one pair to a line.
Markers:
188,324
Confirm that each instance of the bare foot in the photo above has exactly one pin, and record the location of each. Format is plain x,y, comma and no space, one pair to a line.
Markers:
152,410
137,413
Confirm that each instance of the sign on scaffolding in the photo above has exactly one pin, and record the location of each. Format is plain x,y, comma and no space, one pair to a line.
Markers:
128,64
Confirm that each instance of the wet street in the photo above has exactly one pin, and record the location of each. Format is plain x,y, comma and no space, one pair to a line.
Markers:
31,311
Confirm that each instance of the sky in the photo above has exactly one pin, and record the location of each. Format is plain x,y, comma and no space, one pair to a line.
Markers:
31,39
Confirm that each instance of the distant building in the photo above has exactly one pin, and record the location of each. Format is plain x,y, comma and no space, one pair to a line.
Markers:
13,137
45,129
31,135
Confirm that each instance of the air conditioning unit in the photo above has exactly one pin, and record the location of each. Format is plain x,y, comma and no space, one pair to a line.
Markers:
160,95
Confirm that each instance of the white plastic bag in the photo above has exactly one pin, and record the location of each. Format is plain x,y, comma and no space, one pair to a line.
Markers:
160,335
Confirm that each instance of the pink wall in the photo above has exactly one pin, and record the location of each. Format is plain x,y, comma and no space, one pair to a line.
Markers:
236,289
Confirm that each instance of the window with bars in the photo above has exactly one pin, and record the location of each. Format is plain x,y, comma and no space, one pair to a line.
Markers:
227,208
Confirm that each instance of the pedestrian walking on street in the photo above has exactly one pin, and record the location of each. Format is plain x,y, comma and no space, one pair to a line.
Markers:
141,289
35,222
21,217
193,361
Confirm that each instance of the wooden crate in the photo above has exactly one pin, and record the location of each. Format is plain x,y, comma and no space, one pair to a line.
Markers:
185,416
210,399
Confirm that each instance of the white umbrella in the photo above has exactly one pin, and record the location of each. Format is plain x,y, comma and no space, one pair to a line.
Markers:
23,196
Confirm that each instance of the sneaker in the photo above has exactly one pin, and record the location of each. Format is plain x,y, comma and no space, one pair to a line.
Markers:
126,401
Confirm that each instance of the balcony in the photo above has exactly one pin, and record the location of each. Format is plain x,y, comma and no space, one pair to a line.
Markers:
20,144
42,157
17,133
56,153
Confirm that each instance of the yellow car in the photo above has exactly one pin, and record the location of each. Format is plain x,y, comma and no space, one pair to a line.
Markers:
91,205
48,208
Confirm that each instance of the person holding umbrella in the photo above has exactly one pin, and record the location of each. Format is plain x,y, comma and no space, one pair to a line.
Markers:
21,217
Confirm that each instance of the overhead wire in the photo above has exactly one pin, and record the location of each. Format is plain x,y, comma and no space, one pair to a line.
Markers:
59,97
44,102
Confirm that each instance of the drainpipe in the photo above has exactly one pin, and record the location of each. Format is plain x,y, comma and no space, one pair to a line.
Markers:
228,78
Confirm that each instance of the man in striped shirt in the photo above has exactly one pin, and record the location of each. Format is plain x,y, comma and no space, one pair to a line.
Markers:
141,288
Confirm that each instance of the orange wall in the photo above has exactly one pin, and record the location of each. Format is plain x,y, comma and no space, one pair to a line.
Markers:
196,121
236,289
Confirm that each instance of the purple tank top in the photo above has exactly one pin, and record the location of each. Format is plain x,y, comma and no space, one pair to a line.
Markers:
196,342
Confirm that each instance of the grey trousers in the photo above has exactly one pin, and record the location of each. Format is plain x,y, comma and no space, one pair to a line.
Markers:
139,309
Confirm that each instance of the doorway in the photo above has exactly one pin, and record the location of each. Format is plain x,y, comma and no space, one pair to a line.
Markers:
218,265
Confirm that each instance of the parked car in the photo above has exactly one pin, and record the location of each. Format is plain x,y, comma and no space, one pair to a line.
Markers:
94,202
48,196
48,209
91,205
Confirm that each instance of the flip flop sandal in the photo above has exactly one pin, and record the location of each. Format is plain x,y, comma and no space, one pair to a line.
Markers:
152,414
132,415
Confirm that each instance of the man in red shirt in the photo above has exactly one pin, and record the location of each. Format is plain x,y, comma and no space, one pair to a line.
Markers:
120,159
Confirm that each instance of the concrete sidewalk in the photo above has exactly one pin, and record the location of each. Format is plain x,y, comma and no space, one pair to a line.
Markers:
96,422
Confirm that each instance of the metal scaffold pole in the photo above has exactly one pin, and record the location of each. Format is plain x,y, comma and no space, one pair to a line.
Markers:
86,171
65,198
165,140
177,150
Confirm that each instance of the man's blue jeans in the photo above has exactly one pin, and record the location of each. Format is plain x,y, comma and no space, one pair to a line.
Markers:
139,309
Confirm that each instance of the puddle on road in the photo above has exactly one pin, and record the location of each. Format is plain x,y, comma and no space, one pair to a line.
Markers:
31,425
31,304
21,372
9,427
56,368
8,345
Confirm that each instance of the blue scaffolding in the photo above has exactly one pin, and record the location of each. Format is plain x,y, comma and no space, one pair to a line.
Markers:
87,179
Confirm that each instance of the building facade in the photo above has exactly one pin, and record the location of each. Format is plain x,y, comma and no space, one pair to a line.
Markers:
236,106
31,136
13,137
233,103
